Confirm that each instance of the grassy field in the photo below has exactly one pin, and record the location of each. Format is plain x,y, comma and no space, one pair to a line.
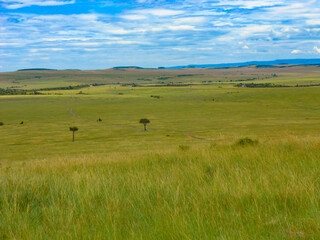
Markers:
187,177
288,74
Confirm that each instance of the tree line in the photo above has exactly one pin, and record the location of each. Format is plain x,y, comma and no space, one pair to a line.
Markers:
14,91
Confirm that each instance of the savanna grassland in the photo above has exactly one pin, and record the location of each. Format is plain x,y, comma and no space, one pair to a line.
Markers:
188,177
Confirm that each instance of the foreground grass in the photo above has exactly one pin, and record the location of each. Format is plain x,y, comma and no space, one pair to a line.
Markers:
266,191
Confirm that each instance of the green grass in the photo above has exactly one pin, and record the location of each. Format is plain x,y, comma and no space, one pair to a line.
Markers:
267,191
235,113
187,177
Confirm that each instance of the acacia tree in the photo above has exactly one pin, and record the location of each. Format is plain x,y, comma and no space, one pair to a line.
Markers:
144,121
73,129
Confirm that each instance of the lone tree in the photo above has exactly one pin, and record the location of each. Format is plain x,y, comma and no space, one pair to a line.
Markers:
73,129
144,121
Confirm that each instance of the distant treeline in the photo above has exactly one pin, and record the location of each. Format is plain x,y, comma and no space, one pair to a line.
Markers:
71,87
18,92
9,91
270,85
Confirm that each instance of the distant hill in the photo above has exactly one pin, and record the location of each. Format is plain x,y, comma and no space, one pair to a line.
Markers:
280,63
37,69
314,61
124,67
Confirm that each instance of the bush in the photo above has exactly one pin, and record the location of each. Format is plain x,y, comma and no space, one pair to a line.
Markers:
246,141
184,147
1,123
155,96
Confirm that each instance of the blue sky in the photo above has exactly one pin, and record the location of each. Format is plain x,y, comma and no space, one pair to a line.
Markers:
99,34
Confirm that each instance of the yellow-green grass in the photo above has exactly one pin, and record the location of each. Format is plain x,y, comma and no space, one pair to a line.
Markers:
180,111
185,178
265,191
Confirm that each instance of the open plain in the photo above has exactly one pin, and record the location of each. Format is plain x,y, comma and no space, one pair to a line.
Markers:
228,153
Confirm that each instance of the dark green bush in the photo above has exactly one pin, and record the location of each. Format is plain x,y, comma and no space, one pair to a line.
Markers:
246,141
184,147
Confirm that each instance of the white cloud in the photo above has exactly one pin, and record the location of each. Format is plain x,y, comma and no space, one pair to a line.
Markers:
160,24
250,4
317,49
291,29
225,39
86,44
124,42
205,49
15,4
222,24
122,31
91,49
313,22
181,27
303,9
7,54
295,51
181,49
95,44
134,17
157,29
254,29
161,12
54,39
189,20
119,31
45,49
10,44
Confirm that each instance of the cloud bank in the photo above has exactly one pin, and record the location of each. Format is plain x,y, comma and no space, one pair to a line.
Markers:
150,33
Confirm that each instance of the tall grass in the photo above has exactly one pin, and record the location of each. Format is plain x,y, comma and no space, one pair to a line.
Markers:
264,191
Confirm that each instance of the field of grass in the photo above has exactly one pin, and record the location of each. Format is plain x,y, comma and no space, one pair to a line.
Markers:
187,177
288,75
268,191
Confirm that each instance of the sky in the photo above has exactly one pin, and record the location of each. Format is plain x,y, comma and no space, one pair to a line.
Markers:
99,34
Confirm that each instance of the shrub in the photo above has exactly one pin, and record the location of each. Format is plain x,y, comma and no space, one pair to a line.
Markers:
246,141
184,147
1,123
155,96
